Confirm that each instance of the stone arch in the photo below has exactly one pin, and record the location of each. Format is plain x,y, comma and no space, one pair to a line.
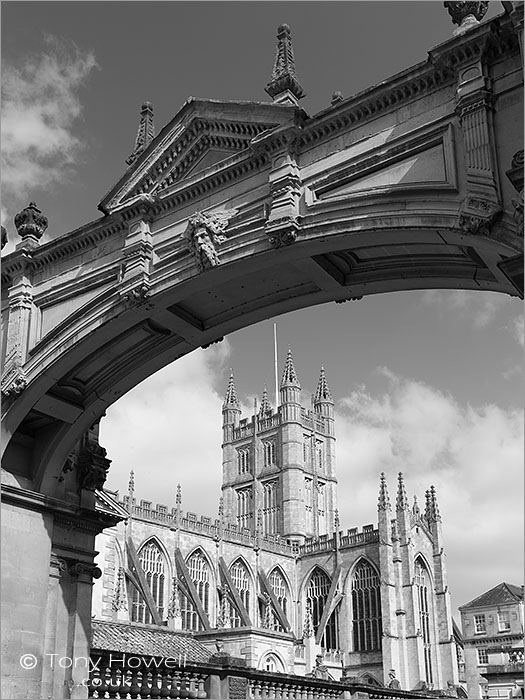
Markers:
157,578
316,591
276,658
204,581
248,594
364,607
285,600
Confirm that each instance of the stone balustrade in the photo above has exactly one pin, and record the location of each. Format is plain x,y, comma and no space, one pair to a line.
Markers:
110,681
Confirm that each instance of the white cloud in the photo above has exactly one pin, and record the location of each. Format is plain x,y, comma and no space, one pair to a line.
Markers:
518,329
168,430
40,105
479,307
473,455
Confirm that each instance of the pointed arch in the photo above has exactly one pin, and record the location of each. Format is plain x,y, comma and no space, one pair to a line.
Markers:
242,578
424,600
282,591
160,544
273,662
366,606
155,565
201,573
316,594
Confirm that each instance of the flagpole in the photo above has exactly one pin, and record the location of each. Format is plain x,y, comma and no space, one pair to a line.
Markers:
275,366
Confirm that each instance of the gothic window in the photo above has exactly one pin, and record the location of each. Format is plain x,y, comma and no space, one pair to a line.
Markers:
320,456
316,597
321,507
199,571
366,608
244,507
269,453
243,460
152,562
279,588
424,591
308,504
241,581
270,507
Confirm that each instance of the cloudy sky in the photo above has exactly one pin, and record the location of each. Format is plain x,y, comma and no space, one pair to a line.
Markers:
428,383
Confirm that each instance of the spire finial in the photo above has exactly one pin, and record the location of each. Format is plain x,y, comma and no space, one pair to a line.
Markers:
265,408
432,510
145,132
336,521
284,88
415,508
231,394
289,374
323,393
384,499
131,482
402,499
178,497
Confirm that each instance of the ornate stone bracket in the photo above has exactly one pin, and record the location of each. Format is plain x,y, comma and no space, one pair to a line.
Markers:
204,234
282,232
478,215
13,379
282,227
92,462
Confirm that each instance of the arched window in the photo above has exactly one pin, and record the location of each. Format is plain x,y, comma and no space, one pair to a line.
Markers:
269,453
241,580
201,576
272,663
424,592
270,507
243,460
152,562
280,590
244,507
366,608
316,596
308,504
321,507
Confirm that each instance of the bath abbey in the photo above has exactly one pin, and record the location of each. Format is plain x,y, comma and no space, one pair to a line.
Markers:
274,579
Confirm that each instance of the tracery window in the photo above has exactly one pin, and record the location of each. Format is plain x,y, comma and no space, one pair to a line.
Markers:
422,582
269,453
321,507
270,507
200,573
320,456
243,460
152,562
308,504
279,588
244,507
241,580
366,608
316,597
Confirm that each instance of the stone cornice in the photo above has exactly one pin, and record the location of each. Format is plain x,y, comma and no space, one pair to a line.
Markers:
491,39
65,246
64,513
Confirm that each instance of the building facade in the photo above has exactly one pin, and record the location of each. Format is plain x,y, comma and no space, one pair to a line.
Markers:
274,579
492,627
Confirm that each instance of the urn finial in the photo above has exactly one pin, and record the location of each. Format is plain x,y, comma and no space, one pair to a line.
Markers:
466,14
31,223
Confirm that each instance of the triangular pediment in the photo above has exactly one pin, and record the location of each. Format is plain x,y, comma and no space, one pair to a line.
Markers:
202,134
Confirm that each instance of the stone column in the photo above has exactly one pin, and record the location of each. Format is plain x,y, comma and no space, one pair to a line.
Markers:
137,256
